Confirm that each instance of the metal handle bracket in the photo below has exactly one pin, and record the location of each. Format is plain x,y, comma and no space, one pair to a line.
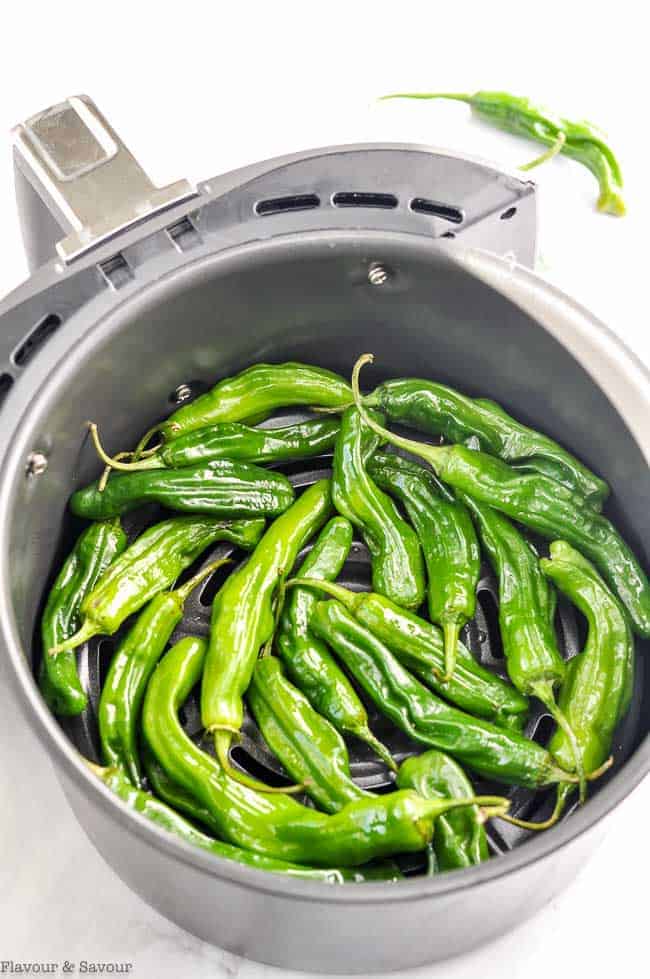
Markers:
85,176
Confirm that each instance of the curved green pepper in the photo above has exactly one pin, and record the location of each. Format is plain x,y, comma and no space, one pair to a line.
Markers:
459,839
308,661
526,606
581,141
95,549
220,488
599,680
545,506
309,747
130,669
418,646
397,566
448,539
491,751
233,440
178,798
162,815
151,564
255,393
440,410
276,825
243,619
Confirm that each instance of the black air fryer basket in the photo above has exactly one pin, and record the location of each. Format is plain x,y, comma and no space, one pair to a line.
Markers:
141,298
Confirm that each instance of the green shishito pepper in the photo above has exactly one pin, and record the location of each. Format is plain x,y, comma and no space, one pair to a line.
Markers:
397,566
440,410
276,825
459,838
151,564
596,693
95,549
243,616
254,394
309,747
526,607
541,504
130,669
581,141
448,539
307,659
493,752
418,646
162,815
236,441
220,488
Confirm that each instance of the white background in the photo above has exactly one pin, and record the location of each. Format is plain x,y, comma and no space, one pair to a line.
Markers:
196,89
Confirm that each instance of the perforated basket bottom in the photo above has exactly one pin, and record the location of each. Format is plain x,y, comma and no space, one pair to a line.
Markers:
481,636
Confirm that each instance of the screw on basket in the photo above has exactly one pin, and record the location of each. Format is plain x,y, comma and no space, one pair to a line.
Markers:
378,275
36,464
182,393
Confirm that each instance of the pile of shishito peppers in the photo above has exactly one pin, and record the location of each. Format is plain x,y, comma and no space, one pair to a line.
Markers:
296,645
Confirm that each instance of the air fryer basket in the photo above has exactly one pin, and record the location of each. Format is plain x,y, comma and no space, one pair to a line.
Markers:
123,356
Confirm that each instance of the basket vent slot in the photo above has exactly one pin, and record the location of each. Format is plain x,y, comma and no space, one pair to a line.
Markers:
116,271
41,332
6,382
510,213
421,205
356,198
184,235
278,205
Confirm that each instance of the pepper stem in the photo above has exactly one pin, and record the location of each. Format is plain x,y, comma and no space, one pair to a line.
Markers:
490,805
548,154
279,606
222,741
455,96
544,692
113,462
450,632
87,631
186,589
346,597
563,792
365,734
432,453
142,444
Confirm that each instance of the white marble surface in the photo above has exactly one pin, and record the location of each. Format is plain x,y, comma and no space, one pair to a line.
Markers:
196,89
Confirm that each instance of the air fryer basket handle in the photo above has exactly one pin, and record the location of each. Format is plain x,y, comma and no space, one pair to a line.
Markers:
77,184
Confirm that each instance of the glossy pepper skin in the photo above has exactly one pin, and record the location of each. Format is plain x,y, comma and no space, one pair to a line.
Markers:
236,441
220,488
307,659
276,825
178,798
534,663
397,565
151,564
134,660
581,141
493,752
255,393
546,507
459,839
308,746
243,616
440,410
449,544
95,549
418,646
596,693
164,816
